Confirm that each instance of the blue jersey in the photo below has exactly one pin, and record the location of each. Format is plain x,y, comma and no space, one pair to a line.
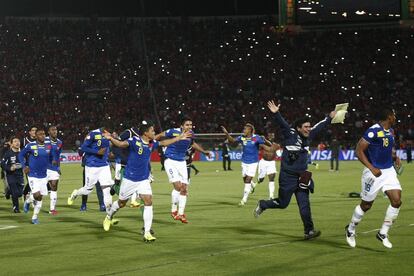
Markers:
250,148
38,155
381,144
57,146
138,165
92,144
177,150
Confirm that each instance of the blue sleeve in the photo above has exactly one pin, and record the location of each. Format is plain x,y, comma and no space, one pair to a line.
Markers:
22,156
155,145
370,135
316,129
125,135
260,140
131,143
169,133
86,146
239,139
280,121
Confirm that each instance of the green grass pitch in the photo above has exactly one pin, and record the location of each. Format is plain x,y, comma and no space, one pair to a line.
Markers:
221,238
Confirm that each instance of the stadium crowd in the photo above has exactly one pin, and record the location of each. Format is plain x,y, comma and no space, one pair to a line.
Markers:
84,73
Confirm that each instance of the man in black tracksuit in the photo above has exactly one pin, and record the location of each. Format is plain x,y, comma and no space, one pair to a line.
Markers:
225,155
294,177
13,172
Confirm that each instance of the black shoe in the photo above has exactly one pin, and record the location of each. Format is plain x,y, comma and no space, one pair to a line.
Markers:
312,234
259,209
197,172
15,210
229,169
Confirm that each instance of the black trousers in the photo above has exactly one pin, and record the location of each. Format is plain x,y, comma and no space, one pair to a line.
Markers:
289,185
226,159
336,163
15,189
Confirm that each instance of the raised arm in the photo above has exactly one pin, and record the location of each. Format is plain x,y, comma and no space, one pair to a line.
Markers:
361,147
159,136
230,138
183,136
278,117
316,129
116,142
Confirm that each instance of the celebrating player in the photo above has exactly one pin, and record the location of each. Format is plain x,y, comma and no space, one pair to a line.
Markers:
251,143
137,173
294,177
176,167
96,149
267,166
38,154
53,170
375,151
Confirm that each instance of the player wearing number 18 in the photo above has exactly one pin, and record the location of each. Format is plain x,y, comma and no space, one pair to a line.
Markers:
376,152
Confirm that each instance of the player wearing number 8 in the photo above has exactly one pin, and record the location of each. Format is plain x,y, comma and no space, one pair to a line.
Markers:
376,152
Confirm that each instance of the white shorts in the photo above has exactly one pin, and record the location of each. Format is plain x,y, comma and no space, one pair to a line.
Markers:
95,174
38,185
249,169
128,188
371,184
118,168
266,168
52,175
176,171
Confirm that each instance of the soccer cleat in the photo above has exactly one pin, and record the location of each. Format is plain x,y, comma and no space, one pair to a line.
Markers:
384,239
26,207
253,187
53,212
72,197
148,237
102,208
350,237
15,210
83,208
135,204
35,221
174,214
258,210
107,223
183,218
317,166
312,234
242,203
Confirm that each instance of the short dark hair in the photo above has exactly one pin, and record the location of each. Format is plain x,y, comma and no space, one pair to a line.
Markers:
384,113
31,127
144,127
14,137
185,119
52,126
40,129
299,122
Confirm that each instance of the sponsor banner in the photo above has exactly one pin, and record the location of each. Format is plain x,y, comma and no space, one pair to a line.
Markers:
317,155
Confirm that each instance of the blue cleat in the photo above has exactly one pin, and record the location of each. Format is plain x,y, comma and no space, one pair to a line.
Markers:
26,207
35,221
83,208
102,208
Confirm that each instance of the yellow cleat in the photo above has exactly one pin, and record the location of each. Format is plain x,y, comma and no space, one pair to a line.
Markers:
135,204
107,223
148,237
72,197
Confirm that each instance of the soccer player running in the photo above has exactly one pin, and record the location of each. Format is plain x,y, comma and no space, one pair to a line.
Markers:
137,173
28,139
294,177
53,170
38,154
267,166
375,150
251,143
176,167
97,169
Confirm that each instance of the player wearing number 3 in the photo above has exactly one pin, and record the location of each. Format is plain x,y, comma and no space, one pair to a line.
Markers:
376,152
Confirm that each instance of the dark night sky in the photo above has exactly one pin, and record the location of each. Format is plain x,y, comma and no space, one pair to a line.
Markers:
134,8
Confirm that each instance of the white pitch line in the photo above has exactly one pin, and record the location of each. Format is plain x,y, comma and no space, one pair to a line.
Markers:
5,227
373,230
